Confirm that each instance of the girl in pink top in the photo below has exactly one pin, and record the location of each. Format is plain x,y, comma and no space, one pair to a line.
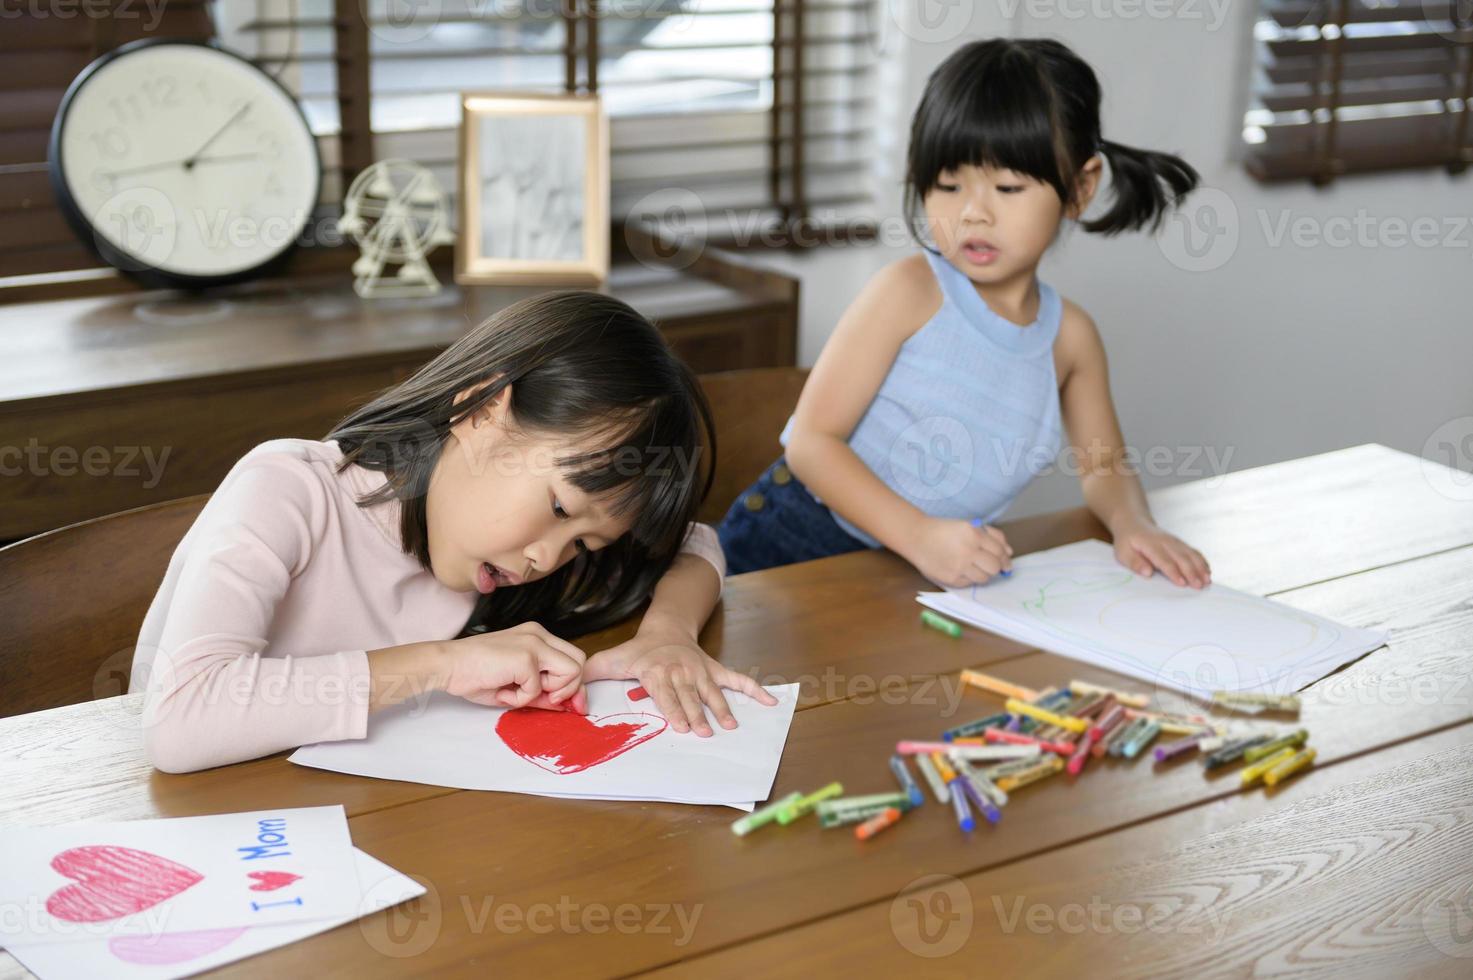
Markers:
537,480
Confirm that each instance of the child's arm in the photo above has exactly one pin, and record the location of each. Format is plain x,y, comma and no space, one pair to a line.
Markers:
210,696
888,311
665,655
1111,488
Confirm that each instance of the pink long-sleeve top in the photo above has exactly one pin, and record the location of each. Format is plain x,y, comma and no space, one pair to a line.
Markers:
257,640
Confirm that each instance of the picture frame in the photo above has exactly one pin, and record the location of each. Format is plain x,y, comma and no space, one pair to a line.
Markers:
533,201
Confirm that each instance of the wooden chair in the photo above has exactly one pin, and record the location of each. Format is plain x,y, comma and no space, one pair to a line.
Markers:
73,601
749,409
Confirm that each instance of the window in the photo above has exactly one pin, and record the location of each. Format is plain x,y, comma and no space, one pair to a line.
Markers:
763,107
701,94
1344,86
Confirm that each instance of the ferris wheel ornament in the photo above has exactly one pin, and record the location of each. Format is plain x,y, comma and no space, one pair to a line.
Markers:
396,213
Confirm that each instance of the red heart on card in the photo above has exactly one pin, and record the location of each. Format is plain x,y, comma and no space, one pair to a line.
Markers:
172,947
269,881
563,742
114,881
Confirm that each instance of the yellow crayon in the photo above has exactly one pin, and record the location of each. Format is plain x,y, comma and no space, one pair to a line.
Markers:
1124,697
1047,717
1292,740
997,685
1251,773
1047,767
943,766
1289,767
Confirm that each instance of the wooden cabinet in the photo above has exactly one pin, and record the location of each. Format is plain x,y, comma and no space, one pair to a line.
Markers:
113,402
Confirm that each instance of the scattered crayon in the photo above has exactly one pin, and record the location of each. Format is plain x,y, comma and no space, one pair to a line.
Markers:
1141,739
940,623
907,783
933,778
885,818
963,811
1049,765
1252,702
1124,697
1081,754
804,806
1232,751
1179,747
1016,738
1289,767
975,727
996,685
1252,773
1046,716
763,816
1292,740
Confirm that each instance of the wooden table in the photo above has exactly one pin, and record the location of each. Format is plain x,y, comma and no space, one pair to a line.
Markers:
1362,866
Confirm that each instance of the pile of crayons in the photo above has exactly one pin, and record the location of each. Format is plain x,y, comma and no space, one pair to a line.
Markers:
973,767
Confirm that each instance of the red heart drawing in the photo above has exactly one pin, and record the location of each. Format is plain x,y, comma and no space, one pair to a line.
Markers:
172,947
269,881
563,742
114,881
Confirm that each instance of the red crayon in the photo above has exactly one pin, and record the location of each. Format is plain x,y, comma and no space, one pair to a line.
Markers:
1018,738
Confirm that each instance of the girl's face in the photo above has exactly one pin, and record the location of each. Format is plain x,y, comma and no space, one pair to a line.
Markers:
500,511
995,224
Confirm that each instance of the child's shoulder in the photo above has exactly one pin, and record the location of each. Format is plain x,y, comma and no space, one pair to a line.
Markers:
1078,342
300,470
901,297
910,279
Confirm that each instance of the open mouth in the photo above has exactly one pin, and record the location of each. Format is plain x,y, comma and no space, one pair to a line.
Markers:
491,577
979,251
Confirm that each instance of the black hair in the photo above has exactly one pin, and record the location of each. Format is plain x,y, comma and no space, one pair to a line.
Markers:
580,364
1031,105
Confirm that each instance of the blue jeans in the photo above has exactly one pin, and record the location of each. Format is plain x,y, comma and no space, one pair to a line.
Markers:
776,521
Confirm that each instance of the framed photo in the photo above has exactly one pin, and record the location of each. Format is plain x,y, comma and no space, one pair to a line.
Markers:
534,190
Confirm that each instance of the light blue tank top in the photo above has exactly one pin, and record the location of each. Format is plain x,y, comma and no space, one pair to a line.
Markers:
969,412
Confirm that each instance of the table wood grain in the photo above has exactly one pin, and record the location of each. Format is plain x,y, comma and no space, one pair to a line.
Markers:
1362,866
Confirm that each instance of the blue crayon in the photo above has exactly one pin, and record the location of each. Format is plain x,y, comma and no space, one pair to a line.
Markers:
992,813
907,784
963,812
972,728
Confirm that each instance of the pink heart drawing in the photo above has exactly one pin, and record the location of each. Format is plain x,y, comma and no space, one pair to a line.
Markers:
172,947
563,742
114,881
269,881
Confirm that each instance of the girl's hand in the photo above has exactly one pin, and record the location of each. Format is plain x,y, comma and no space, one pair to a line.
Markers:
517,667
955,553
1143,547
677,674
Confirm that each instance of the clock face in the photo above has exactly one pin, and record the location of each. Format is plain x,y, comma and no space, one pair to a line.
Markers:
185,160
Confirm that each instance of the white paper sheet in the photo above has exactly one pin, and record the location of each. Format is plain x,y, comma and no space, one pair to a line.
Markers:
1078,601
90,881
173,955
622,750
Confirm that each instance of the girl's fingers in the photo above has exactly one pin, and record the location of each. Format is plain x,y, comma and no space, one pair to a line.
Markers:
1000,538
662,693
1167,563
712,696
747,685
690,700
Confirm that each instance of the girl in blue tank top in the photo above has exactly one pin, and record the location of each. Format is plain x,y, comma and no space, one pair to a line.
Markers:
953,378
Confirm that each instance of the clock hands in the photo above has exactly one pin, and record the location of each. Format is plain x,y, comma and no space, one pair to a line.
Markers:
189,160
225,158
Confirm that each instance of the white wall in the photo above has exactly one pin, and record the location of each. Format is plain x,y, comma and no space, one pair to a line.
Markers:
1281,348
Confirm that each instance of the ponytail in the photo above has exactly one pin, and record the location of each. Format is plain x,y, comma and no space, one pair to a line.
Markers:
1145,185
